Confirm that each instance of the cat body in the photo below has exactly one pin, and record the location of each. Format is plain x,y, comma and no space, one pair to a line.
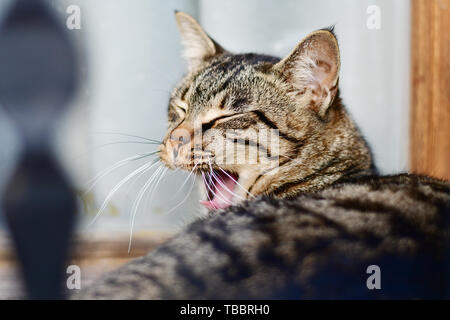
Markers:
314,222
316,246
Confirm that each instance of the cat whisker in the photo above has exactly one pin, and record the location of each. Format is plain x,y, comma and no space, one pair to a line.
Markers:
146,166
225,187
158,181
206,186
138,200
130,187
128,135
185,198
142,193
222,184
229,176
219,194
189,175
213,192
92,183
96,148
122,142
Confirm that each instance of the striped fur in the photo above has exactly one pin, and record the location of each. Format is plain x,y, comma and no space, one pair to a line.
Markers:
319,143
318,223
317,245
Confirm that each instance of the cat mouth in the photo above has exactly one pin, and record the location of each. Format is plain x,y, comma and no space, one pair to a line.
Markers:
219,186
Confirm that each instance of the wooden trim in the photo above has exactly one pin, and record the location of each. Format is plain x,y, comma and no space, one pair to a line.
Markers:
430,90
94,254
100,246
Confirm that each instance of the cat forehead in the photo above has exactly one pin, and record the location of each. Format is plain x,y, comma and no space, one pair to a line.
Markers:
228,67
220,74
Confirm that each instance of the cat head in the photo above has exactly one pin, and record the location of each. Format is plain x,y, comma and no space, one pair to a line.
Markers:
252,124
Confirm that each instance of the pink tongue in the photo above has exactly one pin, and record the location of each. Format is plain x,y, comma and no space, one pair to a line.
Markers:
223,191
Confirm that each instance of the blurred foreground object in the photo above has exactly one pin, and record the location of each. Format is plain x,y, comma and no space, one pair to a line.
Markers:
38,74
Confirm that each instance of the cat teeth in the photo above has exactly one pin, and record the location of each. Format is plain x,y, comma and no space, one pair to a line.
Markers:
220,190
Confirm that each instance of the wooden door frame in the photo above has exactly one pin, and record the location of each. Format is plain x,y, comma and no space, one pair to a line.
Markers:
430,88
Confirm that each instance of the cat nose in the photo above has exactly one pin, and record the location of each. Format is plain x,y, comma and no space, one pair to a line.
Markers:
179,137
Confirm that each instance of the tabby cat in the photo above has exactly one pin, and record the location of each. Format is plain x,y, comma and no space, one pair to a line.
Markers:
305,226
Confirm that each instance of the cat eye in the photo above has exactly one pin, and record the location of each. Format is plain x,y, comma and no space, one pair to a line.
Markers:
211,123
181,108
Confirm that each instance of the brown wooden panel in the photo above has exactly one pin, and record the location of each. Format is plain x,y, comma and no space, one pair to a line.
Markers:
430,110
94,254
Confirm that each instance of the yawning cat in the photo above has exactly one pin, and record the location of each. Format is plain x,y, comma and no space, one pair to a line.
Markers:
309,214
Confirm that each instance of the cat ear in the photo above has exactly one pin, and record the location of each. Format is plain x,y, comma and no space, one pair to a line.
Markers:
198,46
312,69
